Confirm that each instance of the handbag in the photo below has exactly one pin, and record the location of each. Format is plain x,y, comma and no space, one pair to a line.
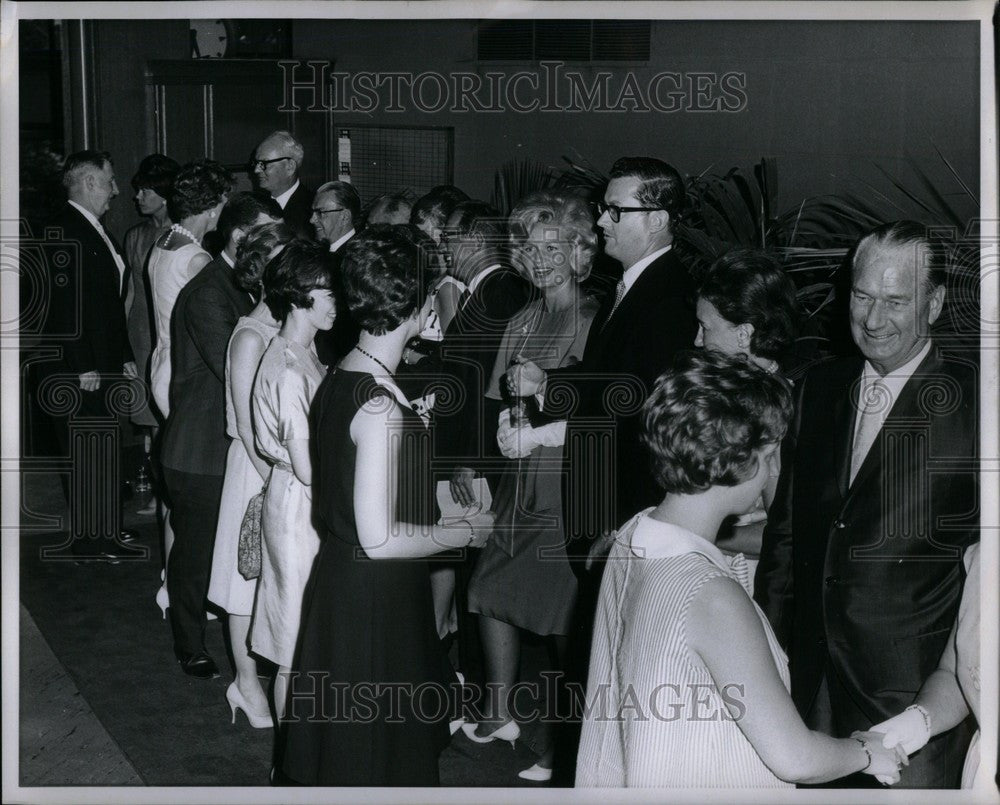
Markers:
249,547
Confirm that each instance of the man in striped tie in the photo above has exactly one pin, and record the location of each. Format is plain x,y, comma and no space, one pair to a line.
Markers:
861,566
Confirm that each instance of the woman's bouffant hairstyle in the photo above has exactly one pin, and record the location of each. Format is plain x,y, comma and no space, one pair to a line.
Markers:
707,417
198,186
301,267
749,287
254,253
571,215
157,173
381,277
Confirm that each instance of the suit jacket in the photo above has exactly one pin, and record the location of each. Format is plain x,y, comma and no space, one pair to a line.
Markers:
335,343
608,474
465,429
86,301
867,576
201,324
298,211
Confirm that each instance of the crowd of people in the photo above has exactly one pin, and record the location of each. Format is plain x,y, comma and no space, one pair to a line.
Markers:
392,439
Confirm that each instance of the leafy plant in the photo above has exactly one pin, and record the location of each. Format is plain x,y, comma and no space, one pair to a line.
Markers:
516,179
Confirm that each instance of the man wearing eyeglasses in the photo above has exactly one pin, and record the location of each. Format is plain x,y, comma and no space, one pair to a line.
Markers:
334,210
275,166
606,476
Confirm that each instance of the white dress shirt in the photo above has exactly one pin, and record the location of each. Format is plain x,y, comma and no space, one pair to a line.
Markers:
342,240
104,236
283,198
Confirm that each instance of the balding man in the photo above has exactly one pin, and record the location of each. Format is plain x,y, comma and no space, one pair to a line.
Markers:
335,210
276,165
861,566
86,318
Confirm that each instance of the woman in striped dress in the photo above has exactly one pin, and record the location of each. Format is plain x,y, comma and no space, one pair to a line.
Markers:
688,687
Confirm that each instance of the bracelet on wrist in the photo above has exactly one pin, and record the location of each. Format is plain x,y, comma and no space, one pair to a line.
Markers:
923,714
472,533
868,752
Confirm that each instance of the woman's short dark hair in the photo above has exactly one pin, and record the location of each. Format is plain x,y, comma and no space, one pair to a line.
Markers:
381,277
198,186
156,172
707,417
254,253
301,267
749,287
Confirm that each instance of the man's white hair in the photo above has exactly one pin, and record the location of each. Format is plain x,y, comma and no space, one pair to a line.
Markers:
284,141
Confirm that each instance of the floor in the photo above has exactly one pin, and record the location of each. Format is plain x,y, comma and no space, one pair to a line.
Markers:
102,702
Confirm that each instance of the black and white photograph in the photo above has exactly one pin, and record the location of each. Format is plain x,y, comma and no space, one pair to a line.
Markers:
494,401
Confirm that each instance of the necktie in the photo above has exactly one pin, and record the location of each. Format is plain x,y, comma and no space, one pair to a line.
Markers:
619,295
876,401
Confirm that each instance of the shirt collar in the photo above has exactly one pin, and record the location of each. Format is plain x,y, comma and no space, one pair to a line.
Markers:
283,198
342,240
88,215
897,378
477,280
227,258
633,272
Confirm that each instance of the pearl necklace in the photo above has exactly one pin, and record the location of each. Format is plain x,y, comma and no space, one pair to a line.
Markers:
180,230
369,355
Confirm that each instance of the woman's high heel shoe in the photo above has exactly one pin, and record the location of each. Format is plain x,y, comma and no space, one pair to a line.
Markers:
536,773
162,599
237,701
508,732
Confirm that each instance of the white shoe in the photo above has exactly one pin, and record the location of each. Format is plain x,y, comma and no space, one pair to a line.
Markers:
509,732
536,773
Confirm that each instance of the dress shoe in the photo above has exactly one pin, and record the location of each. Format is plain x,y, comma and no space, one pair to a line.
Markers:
537,774
199,665
506,732
237,701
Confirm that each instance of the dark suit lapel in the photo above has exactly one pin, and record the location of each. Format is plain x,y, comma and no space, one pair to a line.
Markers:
842,420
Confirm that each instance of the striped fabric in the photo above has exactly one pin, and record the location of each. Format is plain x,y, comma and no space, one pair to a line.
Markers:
656,718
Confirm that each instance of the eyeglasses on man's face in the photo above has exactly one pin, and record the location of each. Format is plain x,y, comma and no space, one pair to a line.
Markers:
615,212
317,211
261,164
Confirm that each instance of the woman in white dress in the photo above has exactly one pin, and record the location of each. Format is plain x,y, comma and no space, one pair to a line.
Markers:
688,687
245,469
298,291
199,192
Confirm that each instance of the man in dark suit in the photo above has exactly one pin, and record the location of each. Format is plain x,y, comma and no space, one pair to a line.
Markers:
194,438
335,211
475,241
861,566
276,165
86,318
632,342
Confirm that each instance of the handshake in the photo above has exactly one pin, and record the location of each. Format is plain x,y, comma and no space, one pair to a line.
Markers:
518,441
905,733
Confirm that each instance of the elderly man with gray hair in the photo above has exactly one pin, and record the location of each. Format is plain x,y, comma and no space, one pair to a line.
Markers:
275,165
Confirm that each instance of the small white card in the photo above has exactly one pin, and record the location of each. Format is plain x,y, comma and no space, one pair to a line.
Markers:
452,511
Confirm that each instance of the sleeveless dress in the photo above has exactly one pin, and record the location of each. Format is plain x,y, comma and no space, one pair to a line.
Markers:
227,588
369,637
523,576
674,728
287,380
168,274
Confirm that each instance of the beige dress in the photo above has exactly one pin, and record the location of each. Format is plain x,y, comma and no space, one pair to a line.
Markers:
227,588
169,272
287,380
656,717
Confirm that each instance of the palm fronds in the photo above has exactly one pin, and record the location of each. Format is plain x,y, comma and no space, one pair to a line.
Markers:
516,179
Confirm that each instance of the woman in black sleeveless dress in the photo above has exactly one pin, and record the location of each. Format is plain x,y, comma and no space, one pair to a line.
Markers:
369,694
